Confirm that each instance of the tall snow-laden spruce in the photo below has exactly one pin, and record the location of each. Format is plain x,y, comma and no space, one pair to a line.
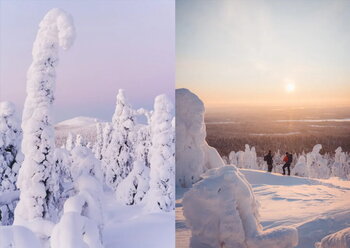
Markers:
134,187
118,157
10,160
162,157
38,176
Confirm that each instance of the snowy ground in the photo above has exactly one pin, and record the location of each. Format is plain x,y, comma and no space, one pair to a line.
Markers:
132,227
315,207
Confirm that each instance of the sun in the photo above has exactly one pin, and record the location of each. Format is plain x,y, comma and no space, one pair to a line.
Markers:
289,85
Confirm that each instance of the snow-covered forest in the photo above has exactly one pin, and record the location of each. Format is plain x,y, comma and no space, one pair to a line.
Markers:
312,164
91,190
233,203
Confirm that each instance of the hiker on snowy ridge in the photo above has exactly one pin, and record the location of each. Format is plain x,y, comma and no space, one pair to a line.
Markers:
269,160
288,160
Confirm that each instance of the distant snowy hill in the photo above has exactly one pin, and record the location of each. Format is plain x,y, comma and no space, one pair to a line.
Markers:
77,122
85,126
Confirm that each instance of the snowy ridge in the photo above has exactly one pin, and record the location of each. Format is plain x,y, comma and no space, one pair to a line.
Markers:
77,122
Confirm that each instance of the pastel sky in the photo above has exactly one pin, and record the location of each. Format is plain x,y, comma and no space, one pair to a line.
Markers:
119,44
247,52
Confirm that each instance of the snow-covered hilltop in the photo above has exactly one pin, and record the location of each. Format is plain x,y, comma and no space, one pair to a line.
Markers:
227,206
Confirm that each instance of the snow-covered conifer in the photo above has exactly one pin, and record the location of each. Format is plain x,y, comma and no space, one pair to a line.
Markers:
97,149
118,157
162,153
135,186
37,180
70,142
10,157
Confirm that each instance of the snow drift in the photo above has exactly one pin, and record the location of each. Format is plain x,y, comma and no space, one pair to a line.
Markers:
340,239
222,211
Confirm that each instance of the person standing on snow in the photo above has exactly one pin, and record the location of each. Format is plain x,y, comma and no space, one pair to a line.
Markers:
288,160
269,160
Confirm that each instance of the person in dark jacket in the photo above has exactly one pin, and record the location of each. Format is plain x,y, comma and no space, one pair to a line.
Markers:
269,160
288,160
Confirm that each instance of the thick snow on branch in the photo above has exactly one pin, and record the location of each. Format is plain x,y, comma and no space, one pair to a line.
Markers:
37,180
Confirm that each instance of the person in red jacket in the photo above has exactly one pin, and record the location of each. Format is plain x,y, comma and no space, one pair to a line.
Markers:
288,160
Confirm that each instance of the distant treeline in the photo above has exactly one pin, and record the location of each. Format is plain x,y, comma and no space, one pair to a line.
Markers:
291,143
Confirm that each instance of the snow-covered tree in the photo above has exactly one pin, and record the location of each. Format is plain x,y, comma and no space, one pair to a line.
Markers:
10,158
70,142
98,146
339,165
80,141
135,186
162,156
316,164
118,157
37,179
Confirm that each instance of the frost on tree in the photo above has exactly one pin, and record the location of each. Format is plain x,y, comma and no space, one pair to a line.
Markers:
222,211
118,158
194,156
162,157
134,187
37,179
10,159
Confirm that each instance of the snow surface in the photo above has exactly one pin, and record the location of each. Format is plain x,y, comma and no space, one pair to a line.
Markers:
228,203
340,239
315,207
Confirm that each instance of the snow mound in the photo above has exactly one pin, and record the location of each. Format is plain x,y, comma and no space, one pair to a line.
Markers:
222,211
82,222
340,239
194,156
18,236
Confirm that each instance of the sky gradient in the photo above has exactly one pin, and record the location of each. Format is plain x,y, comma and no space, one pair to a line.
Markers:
119,44
247,52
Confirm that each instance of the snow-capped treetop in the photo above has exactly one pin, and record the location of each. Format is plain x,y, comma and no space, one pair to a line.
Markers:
57,28
317,148
123,112
7,109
